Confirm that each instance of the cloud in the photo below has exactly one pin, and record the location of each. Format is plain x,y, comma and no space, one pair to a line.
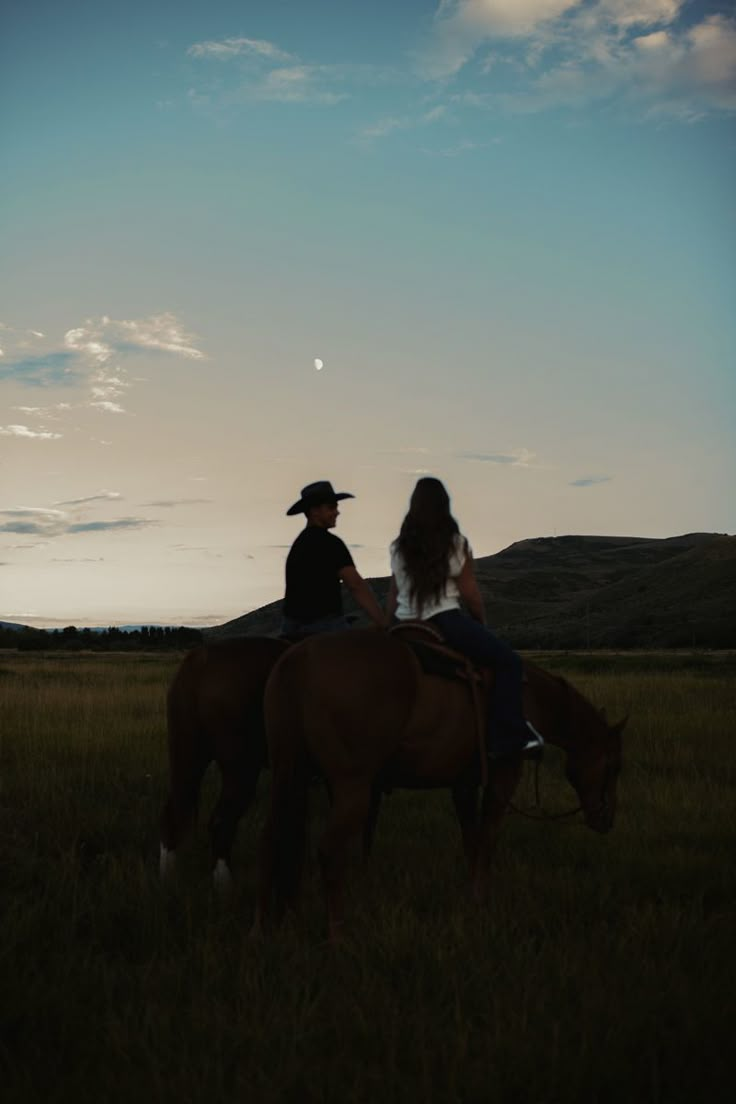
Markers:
24,431
590,480
78,559
99,496
298,84
50,522
43,411
108,407
262,70
104,526
461,26
91,354
656,54
518,458
166,502
227,48
390,123
99,339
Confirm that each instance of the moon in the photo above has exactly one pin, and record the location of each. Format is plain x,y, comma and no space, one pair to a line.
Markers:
318,364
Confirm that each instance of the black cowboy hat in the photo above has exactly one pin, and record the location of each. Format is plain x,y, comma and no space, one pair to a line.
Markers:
315,494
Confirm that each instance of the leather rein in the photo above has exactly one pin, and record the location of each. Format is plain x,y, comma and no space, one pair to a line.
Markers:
535,811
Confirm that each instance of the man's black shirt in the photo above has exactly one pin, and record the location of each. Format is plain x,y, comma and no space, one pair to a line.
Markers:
312,580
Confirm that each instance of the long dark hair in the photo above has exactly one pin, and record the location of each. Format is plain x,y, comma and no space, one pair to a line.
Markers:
426,541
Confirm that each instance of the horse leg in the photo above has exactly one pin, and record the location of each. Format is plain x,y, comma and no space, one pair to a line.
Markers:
369,830
181,806
504,778
239,783
465,800
350,812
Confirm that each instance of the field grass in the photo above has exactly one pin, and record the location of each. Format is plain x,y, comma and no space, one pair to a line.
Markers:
602,970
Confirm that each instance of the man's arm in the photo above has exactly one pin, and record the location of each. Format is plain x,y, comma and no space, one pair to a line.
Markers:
467,584
363,595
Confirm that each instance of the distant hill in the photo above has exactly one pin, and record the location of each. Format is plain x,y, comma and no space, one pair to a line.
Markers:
12,626
588,591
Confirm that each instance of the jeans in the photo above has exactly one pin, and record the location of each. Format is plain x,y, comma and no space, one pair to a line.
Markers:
506,724
290,626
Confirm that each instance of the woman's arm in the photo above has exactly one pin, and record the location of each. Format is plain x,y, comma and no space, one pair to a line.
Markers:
467,584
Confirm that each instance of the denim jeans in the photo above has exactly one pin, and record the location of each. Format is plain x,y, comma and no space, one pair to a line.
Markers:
506,723
291,627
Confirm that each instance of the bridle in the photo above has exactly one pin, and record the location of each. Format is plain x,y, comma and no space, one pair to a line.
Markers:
535,811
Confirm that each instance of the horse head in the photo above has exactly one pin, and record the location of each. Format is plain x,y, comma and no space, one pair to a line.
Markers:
593,767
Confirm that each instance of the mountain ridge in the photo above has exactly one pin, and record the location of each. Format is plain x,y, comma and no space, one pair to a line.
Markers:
589,591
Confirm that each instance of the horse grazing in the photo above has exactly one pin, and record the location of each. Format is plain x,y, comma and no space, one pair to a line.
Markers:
357,707
214,711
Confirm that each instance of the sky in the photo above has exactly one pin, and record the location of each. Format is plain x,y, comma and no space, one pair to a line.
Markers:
504,227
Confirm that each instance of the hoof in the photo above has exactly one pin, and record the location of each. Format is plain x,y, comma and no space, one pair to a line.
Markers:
166,863
222,879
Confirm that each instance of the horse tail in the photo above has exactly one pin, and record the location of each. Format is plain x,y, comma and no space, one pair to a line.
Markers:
284,839
189,751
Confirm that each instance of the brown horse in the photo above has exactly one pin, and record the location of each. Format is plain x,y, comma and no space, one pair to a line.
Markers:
357,707
214,711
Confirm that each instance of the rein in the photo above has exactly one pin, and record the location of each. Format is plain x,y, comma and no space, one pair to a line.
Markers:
540,814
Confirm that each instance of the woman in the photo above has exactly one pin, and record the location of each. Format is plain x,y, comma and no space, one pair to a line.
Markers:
431,574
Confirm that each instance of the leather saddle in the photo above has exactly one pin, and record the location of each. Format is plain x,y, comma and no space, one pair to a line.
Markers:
435,658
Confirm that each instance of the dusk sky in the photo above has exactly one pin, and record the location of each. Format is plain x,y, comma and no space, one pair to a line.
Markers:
506,228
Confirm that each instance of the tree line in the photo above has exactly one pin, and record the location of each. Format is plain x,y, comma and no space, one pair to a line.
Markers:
71,638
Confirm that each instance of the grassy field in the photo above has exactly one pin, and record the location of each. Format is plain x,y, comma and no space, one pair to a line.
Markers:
602,971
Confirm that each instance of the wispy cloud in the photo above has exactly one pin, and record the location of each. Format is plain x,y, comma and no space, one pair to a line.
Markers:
590,480
261,70
299,84
108,407
50,522
226,49
98,496
519,457
389,124
77,559
24,431
168,502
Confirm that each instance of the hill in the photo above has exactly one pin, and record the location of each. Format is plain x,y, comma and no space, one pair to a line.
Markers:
589,591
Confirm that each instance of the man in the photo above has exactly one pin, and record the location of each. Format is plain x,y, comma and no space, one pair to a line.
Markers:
317,562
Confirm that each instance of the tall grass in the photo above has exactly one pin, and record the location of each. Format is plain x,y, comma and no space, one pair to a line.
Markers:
602,970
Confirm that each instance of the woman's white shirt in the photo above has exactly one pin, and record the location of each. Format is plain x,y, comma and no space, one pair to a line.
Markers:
449,599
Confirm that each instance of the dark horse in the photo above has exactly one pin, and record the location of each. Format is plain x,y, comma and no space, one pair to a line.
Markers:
214,712
357,707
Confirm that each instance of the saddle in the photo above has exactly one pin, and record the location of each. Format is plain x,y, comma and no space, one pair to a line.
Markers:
435,658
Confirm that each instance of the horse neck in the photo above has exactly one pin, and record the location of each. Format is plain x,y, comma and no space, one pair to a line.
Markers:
570,717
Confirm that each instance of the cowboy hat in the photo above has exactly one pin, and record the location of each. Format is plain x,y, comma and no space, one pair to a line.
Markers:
315,494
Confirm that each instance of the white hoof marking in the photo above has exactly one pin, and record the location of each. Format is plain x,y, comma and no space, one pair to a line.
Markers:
166,862
221,877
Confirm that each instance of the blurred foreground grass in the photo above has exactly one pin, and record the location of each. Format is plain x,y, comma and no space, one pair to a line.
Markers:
603,970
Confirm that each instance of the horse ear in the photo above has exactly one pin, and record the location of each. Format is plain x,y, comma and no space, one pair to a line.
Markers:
617,729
